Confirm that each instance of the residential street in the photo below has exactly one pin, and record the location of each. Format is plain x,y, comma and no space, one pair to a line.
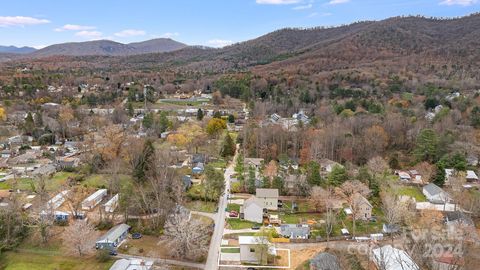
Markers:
215,243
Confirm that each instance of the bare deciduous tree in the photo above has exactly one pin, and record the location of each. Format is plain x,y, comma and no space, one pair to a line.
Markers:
350,190
79,238
188,236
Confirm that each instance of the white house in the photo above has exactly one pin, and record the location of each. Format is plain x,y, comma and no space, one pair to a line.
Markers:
252,249
390,258
93,200
111,204
268,197
327,165
435,194
252,210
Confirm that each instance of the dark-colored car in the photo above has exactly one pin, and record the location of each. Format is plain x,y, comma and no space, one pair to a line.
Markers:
113,252
255,227
136,235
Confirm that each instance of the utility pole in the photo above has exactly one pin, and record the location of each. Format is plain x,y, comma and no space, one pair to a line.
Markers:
145,97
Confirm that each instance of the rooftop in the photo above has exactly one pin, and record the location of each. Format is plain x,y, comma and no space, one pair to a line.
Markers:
267,193
114,233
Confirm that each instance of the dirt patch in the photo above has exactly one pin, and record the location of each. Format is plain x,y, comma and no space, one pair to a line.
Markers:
298,257
148,246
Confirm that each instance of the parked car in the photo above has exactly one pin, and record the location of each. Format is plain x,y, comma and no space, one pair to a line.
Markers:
255,227
233,214
136,235
113,252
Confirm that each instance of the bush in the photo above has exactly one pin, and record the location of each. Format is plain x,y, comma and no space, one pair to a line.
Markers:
102,255
104,225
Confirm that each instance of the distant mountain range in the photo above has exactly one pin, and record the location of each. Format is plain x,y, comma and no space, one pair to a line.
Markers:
378,45
18,50
99,47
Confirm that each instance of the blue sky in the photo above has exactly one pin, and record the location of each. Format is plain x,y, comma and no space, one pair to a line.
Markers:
196,22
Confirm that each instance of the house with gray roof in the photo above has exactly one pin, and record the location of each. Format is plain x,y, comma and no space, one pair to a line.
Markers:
295,231
268,198
45,170
113,237
435,194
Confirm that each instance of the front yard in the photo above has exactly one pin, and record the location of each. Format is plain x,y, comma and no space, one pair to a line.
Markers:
239,224
413,192
202,206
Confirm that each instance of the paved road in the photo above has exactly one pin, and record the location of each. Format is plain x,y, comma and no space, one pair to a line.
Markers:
215,243
160,261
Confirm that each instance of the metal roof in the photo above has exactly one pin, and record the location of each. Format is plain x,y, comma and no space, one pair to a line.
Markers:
114,233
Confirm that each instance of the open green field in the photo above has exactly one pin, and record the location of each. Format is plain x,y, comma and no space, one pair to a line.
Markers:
413,192
201,206
47,260
297,218
101,180
238,224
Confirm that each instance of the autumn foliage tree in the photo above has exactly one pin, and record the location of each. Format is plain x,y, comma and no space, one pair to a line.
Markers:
215,126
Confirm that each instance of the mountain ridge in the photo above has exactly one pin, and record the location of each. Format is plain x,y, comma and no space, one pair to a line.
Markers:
109,48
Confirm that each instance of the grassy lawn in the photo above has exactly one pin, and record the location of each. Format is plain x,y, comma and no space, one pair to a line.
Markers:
413,192
101,180
233,207
303,206
44,260
218,164
202,206
298,218
58,179
238,224
230,250
21,183
236,235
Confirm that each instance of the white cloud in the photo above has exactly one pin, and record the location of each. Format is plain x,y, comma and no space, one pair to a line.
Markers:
130,33
316,14
336,2
219,43
6,21
458,2
277,2
74,27
170,35
89,34
303,7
